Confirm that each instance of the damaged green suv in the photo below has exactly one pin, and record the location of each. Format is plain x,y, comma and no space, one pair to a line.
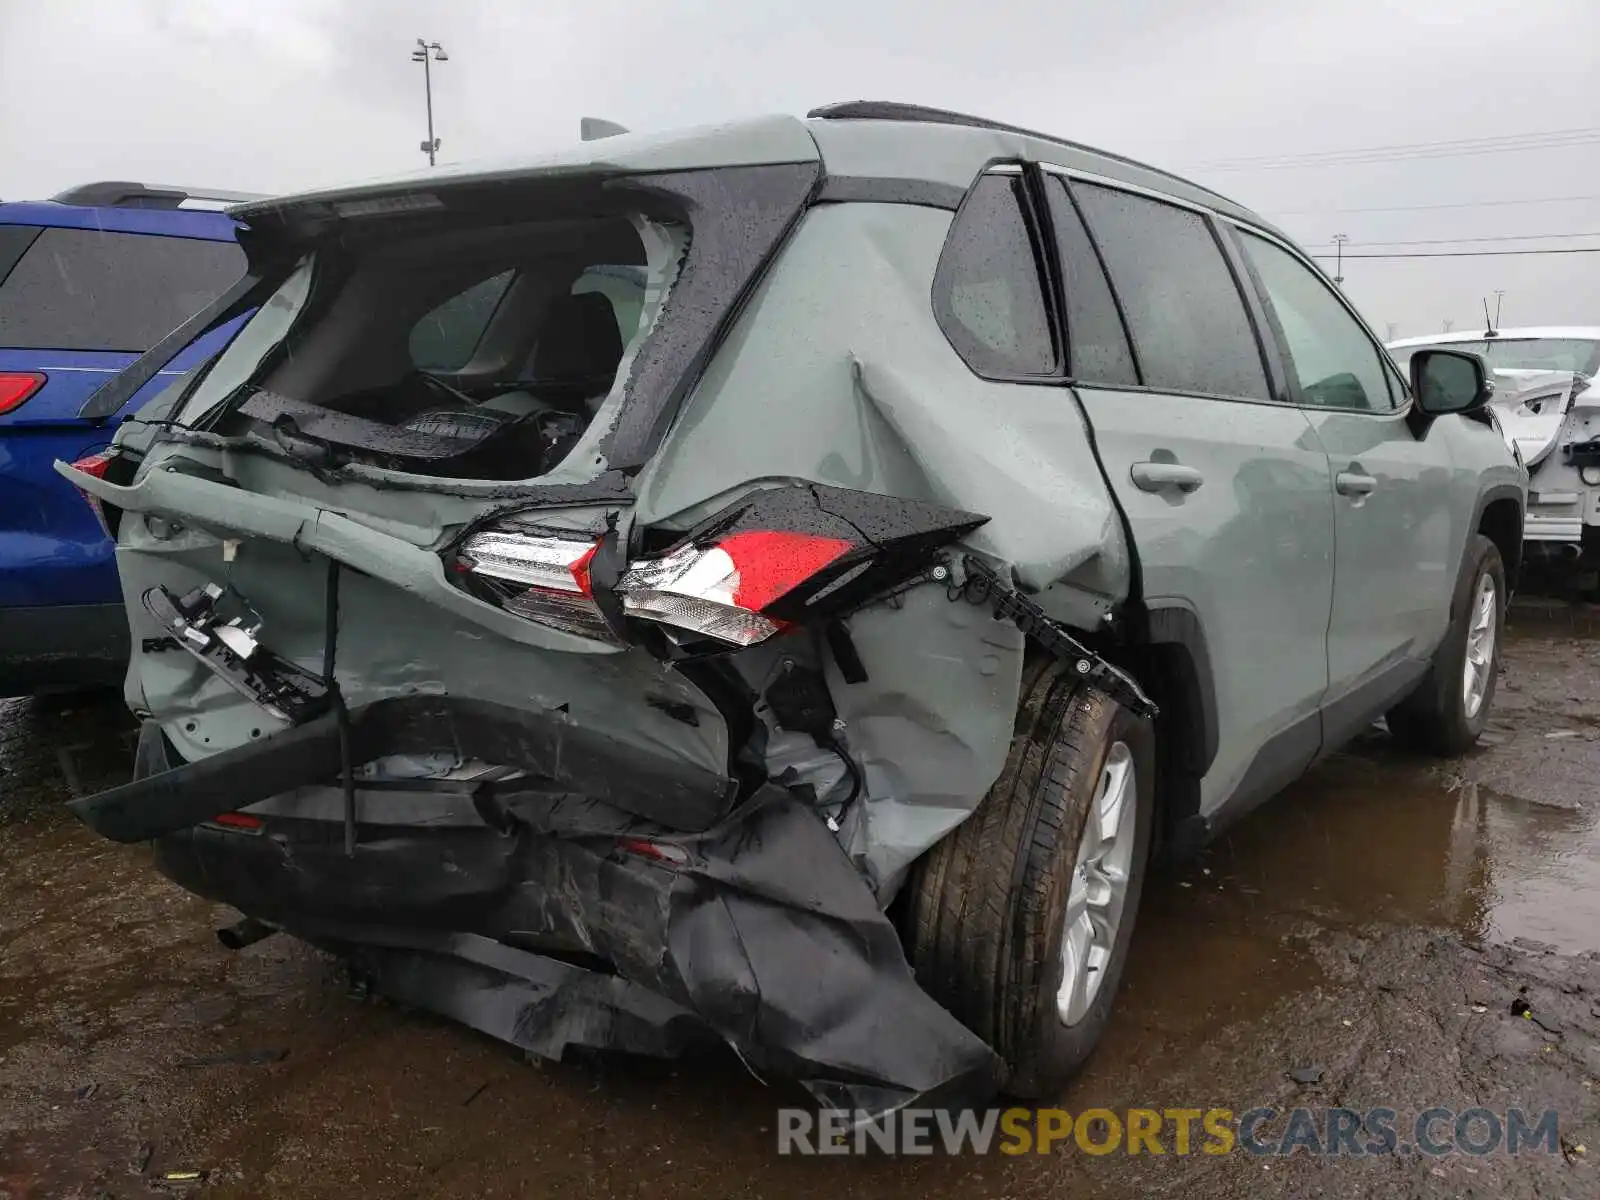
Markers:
778,583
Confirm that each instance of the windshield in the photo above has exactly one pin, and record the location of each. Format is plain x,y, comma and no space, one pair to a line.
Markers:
1525,354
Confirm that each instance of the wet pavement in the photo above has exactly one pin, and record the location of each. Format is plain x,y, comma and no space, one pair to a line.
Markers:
1382,921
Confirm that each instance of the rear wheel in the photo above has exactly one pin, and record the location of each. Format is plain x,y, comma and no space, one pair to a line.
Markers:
1450,707
1019,921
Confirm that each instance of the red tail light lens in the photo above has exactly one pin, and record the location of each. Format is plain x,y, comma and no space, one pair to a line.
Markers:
236,820
96,465
664,852
17,386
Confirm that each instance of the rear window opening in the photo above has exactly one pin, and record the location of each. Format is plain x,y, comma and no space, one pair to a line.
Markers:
485,352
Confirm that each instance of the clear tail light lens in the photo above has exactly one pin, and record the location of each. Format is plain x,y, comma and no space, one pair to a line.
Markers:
544,579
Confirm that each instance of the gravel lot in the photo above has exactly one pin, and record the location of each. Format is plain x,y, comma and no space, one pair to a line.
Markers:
1381,921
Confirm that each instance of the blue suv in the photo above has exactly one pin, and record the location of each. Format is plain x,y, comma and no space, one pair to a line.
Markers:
89,281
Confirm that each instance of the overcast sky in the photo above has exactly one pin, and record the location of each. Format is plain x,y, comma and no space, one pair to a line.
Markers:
277,95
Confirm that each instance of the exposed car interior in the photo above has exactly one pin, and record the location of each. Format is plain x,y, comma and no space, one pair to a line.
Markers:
481,353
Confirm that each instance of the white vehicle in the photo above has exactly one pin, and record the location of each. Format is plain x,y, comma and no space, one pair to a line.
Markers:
1547,405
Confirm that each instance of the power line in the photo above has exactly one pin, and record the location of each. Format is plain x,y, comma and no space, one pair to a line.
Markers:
1485,139
1470,253
1407,152
1304,212
1411,149
1514,237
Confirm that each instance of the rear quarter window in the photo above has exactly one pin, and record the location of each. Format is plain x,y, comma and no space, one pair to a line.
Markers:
988,290
85,289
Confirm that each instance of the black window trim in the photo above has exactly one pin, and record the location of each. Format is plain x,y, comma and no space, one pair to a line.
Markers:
1237,229
1041,233
1276,377
1059,282
24,244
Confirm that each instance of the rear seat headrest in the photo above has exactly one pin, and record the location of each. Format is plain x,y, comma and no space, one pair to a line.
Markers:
579,341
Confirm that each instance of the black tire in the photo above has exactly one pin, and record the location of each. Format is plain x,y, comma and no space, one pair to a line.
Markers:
1434,717
985,912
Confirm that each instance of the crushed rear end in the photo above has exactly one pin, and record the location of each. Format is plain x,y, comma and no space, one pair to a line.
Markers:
465,651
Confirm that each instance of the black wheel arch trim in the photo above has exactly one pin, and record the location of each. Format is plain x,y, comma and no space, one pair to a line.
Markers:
1491,495
1173,622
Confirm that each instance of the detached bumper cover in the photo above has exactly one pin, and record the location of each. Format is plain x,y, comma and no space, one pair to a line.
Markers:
559,753
546,933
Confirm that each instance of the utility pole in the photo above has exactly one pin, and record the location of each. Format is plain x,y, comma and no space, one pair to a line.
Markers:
1448,325
428,53
1499,297
1339,239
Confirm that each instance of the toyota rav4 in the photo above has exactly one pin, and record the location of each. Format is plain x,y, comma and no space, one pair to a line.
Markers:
779,583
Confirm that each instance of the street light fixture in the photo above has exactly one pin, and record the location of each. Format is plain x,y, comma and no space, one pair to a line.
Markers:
1339,239
428,53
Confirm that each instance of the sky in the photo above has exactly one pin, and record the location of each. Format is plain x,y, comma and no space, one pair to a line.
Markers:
280,95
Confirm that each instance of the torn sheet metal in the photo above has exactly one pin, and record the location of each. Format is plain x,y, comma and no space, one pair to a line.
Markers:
1531,408
871,397
730,942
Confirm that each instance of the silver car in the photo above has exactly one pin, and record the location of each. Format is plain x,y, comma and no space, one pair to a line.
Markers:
779,583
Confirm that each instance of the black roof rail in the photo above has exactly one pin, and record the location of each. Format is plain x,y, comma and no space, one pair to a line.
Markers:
113,193
894,110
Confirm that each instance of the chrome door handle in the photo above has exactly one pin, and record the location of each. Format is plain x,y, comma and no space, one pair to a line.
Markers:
1153,476
1353,483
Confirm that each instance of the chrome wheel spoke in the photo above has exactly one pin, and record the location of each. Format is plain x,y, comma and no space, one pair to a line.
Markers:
1099,885
1478,664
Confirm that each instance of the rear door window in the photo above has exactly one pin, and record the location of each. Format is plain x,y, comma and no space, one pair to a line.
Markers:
1188,321
85,289
988,293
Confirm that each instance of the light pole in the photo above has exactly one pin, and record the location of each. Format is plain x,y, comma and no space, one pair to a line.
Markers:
1339,239
428,53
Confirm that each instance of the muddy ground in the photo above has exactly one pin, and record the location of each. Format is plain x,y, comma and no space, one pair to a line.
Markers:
1381,921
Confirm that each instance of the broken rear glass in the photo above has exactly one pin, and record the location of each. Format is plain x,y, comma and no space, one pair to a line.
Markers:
480,352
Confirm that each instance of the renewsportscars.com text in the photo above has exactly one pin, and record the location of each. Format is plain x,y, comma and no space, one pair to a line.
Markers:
1337,1132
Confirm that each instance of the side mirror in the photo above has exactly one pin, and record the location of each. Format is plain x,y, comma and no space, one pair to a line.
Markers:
1449,381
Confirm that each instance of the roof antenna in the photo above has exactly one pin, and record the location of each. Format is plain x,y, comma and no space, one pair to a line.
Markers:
1487,320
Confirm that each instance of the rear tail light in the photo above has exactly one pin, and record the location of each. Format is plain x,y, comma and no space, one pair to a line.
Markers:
96,465
720,591
17,386
545,579
716,592
778,558
663,852
238,820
